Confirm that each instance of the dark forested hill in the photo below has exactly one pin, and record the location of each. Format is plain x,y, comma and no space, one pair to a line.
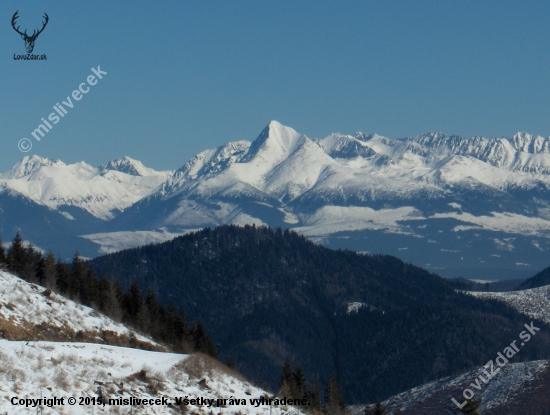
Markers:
539,280
380,325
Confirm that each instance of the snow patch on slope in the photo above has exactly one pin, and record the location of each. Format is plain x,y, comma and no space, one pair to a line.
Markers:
117,241
332,219
534,302
504,222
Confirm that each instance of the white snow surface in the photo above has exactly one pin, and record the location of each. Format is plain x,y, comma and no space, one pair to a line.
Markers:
24,304
101,191
118,241
34,369
534,302
80,370
320,186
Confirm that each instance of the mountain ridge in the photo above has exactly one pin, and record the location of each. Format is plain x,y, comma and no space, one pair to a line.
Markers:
444,202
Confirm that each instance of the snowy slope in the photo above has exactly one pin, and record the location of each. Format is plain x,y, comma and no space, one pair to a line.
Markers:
534,302
80,370
304,175
26,311
32,367
517,386
100,191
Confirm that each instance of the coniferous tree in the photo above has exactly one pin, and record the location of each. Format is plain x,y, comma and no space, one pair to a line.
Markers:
89,290
143,319
334,402
286,383
230,363
156,314
314,396
471,407
211,348
48,272
77,275
133,302
63,276
203,342
299,384
379,409
112,300
168,318
3,259
181,333
17,256
32,264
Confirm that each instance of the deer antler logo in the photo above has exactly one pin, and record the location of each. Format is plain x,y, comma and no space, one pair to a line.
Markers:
29,40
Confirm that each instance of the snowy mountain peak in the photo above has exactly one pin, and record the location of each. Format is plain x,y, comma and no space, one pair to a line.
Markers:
528,143
129,166
275,143
29,165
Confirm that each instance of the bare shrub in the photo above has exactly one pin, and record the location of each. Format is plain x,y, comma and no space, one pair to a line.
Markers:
61,380
14,374
141,376
70,358
40,362
200,365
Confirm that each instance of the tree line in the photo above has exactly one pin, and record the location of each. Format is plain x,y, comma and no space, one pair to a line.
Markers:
78,282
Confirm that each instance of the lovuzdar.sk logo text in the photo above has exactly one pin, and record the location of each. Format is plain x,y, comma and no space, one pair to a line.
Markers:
29,39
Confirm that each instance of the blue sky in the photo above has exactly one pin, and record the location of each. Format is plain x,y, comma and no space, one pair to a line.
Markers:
186,76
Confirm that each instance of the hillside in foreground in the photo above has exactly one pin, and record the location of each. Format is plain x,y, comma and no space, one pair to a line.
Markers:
31,312
81,363
61,369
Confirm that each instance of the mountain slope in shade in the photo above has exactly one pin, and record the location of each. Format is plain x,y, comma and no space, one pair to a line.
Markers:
267,295
45,227
519,388
539,280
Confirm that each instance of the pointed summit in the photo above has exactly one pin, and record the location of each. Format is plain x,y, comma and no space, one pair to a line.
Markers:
276,142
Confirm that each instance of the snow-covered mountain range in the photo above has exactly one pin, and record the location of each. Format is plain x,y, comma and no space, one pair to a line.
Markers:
475,207
102,191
